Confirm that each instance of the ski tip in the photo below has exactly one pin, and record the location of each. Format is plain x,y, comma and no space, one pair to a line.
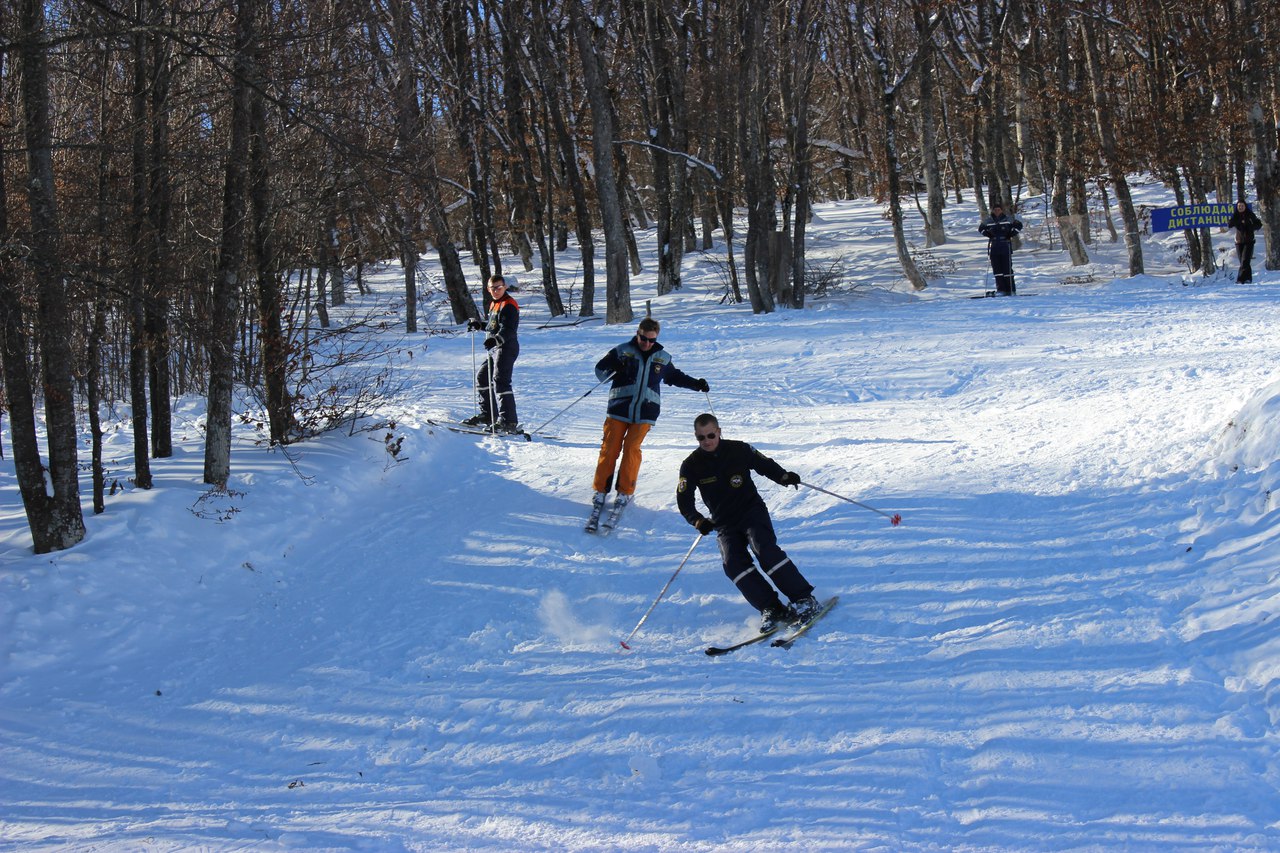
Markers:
623,643
896,519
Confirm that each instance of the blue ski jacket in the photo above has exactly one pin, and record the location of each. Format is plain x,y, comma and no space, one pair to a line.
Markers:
636,394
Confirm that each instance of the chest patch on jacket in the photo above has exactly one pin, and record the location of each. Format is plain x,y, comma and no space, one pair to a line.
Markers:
736,481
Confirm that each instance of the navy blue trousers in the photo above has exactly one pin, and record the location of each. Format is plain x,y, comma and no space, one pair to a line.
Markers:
493,384
754,531
1001,254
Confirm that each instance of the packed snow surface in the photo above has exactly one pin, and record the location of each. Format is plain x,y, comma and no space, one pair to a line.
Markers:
1069,643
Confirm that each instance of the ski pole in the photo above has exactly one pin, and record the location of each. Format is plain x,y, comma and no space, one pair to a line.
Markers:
491,374
475,393
895,519
571,405
662,593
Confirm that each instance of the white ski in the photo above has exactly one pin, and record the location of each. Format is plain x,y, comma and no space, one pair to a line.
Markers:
620,503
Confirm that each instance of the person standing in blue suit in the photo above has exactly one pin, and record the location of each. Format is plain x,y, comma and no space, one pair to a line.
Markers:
999,230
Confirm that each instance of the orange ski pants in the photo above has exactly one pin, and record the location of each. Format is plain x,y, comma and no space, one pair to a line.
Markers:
621,438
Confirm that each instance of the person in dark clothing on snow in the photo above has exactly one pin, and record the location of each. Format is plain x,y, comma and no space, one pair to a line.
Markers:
999,229
640,368
720,470
1246,223
494,394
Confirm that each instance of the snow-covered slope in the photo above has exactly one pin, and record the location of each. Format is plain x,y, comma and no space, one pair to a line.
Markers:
1068,643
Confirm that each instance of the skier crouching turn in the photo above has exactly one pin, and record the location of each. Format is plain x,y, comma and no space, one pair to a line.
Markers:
721,472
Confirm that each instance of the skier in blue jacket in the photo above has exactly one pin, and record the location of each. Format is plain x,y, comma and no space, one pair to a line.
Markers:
640,367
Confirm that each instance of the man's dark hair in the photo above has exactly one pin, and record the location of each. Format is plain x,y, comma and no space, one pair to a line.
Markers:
648,324
706,419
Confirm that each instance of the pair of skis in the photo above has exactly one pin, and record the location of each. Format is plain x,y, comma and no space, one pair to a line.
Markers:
468,429
784,635
610,519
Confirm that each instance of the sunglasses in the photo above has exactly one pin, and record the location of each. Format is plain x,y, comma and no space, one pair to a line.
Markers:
706,437
646,340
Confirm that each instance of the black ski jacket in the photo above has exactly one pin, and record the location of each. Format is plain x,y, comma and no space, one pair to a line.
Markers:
723,478
999,229
503,321
1246,222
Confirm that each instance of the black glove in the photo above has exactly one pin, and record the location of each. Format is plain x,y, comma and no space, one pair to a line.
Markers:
703,386
490,343
704,525
475,325
791,478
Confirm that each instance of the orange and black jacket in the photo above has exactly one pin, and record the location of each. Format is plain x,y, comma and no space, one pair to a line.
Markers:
504,319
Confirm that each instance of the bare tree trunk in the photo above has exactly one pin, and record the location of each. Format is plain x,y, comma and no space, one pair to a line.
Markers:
629,200
934,231
467,111
275,368
797,86
1064,149
1194,249
225,301
19,386
666,46
160,192
1199,195
455,281
1107,138
407,113
55,519
756,164
97,332
139,250
548,237
526,214
1106,212
875,51
332,250
618,280
549,81
1262,126
1027,47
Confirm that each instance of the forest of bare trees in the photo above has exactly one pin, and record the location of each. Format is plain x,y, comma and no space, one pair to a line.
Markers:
186,186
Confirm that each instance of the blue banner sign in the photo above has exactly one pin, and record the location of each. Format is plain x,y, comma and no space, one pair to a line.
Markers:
1190,216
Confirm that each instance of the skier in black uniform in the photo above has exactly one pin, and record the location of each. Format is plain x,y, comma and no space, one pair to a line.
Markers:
494,394
1246,223
721,472
999,230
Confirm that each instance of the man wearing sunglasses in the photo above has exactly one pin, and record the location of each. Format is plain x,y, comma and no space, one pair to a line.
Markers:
640,368
720,470
495,398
